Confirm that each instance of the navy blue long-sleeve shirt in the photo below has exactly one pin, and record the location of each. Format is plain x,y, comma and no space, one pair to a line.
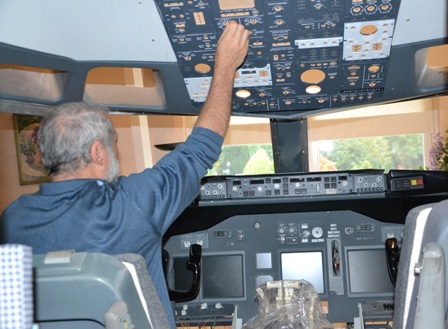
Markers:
129,216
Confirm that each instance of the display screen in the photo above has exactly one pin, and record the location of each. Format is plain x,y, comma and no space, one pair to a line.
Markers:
222,276
304,266
367,272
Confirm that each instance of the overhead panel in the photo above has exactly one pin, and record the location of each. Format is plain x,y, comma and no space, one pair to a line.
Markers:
304,54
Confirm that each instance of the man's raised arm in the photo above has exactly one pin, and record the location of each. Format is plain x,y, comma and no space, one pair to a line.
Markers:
231,51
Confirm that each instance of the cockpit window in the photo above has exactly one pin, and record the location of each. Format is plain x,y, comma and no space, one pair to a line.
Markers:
18,81
131,86
393,136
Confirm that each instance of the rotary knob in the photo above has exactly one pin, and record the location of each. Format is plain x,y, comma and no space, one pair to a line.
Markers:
317,232
278,8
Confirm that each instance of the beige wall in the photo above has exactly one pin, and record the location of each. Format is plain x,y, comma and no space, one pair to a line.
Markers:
387,118
125,143
168,130
248,134
441,106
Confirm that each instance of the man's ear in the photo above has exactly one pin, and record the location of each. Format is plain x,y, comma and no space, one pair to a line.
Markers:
97,152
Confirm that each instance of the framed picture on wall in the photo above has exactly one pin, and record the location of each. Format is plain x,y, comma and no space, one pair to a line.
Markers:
29,160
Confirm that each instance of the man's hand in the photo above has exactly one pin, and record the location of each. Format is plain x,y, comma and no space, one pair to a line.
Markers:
232,49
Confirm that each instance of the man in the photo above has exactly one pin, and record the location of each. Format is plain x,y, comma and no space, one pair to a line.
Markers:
86,208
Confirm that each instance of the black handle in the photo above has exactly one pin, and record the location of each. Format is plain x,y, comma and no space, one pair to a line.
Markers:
193,265
336,258
393,258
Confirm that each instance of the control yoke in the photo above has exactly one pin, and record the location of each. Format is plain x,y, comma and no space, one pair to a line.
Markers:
193,265
393,257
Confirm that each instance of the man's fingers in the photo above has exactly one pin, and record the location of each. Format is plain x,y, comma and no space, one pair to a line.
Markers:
237,31
232,45
226,30
232,29
246,35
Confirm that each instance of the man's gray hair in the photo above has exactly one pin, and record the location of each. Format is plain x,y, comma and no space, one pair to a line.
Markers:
68,132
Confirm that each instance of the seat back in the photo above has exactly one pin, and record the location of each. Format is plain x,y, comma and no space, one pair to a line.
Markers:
16,292
93,290
420,294
155,311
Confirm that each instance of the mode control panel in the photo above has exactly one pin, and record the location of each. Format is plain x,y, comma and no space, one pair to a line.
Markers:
294,185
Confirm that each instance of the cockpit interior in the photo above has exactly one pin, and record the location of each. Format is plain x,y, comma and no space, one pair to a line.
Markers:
340,103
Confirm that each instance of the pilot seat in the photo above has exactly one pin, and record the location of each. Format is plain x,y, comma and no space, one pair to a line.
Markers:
420,294
94,290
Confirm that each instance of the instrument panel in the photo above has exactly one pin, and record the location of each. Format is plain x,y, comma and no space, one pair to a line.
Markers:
329,228
304,55
342,253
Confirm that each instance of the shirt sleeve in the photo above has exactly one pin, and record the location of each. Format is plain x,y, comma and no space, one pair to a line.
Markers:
164,191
